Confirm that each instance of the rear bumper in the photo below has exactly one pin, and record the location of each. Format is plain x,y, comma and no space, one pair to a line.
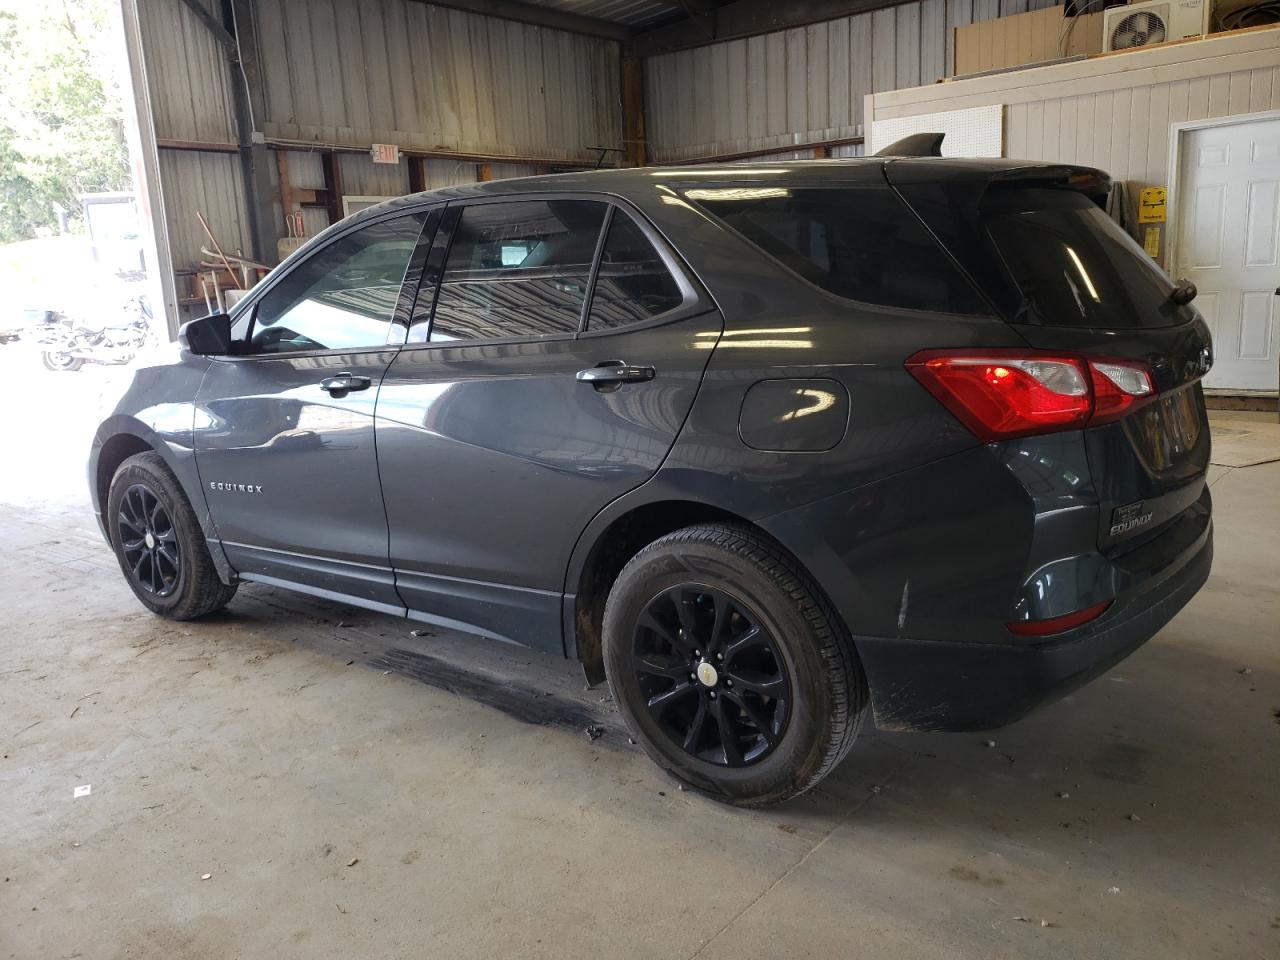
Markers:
948,685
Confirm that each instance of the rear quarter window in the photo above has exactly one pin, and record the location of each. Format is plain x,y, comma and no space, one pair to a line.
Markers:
860,243
1073,264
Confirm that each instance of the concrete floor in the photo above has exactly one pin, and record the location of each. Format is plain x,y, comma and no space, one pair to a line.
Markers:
353,790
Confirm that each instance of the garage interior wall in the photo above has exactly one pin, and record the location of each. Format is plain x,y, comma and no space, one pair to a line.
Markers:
802,85
1121,107
345,74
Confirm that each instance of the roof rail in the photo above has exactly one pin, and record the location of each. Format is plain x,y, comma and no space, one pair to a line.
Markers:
915,145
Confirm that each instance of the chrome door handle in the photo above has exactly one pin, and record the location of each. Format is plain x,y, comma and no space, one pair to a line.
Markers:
344,383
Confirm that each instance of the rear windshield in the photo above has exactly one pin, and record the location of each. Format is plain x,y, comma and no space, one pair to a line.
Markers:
862,243
1073,264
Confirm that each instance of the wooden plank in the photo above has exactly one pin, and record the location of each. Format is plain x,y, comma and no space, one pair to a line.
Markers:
633,111
1139,125
1016,134
959,14
1157,158
1121,130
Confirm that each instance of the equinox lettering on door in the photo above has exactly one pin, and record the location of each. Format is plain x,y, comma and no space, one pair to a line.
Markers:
1129,517
235,487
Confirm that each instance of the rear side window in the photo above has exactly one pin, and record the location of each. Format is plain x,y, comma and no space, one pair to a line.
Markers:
861,243
1073,264
518,269
634,283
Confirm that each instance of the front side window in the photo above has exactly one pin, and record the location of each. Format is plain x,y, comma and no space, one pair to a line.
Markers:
341,298
862,243
633,283
517,269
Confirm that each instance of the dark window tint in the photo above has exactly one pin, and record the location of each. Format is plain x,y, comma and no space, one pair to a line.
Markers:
1073,263
518,269
633,283
861,243
343,296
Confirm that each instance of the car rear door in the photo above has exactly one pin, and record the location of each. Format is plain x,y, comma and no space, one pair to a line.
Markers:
284,428
535,389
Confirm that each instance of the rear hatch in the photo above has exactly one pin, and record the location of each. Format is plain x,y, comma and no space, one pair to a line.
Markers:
1068,279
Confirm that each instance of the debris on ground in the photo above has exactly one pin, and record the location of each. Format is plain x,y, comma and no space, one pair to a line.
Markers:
350,662
594,732
989,744
1045,923
786,828
82,791
73,713
353,861
205,876
631,740
1063,795
1244,671
1113,889
421,633
1135,818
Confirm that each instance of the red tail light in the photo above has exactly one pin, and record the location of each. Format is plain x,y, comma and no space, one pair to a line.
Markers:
1043,628
999,394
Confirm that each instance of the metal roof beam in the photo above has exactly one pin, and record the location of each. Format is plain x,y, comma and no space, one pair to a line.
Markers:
538,16
745,18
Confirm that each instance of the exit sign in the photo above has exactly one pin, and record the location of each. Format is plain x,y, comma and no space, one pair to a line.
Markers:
385,153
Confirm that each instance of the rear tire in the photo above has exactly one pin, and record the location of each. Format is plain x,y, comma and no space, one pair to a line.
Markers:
158,542
729,666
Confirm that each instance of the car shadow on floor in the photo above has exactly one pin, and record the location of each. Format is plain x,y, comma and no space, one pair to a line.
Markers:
1159,737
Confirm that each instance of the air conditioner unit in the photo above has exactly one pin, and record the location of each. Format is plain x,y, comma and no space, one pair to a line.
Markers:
1144,24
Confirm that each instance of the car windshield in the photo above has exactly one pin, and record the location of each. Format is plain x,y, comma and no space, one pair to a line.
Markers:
1073,264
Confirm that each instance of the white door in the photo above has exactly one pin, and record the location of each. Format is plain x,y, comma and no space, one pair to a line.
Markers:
1228,232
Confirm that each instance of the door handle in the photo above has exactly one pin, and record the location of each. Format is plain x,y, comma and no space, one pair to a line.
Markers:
614,373
344,383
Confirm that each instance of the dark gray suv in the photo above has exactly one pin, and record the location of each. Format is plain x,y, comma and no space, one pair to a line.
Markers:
763,445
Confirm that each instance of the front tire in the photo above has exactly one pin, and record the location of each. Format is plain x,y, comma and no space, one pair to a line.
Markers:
158,542
729,666
60,362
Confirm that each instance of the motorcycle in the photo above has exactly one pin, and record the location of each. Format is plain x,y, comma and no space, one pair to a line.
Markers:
67,344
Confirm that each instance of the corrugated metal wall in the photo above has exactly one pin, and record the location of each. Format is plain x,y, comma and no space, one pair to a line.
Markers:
801,85
348,73
430,78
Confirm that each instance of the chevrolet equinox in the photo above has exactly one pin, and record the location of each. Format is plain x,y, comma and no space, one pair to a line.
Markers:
765,446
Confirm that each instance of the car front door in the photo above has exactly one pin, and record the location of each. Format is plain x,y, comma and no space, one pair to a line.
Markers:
541,391
284,432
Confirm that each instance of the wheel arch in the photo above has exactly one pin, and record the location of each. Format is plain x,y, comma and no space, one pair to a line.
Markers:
609,542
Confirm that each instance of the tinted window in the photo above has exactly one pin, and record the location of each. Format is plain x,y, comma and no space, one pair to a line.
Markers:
1073,263
517,269
633,283
860,243
343,296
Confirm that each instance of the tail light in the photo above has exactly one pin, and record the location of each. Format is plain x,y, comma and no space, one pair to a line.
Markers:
1045,628
1000,394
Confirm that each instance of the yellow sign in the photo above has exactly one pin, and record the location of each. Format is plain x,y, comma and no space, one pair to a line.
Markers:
1151,241
1151,205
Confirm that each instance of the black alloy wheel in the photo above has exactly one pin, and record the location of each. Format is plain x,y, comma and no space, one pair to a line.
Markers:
149,541
712,676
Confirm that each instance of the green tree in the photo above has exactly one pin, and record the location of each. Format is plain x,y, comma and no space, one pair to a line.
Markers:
63,129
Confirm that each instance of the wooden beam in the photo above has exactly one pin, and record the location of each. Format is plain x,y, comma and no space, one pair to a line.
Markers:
539,16
484,172
332,185
815,145
220,33
745,18
633,120
417,174
202,146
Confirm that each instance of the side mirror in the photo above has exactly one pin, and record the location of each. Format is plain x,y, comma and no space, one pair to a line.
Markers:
208,336
1183,292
